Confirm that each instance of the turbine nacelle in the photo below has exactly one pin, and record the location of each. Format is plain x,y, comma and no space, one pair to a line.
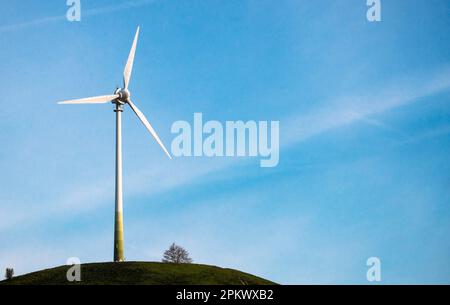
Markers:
124,95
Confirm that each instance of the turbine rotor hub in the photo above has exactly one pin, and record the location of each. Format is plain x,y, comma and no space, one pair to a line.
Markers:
124,94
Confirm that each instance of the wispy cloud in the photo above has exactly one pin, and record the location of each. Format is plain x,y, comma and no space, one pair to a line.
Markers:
350,109
84,198
377,123
343,111
85,13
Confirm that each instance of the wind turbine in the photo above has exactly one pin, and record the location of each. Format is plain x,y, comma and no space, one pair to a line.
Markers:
120,98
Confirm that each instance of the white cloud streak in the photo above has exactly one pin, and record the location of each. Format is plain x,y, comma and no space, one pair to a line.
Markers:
85,198
347,110
153,179
84,13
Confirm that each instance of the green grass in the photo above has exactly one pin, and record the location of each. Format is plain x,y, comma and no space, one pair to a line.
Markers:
144,273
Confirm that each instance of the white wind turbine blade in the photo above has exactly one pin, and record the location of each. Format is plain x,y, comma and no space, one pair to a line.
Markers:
148,126
92,100
129,65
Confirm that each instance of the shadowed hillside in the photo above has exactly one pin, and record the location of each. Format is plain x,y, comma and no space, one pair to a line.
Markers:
144,273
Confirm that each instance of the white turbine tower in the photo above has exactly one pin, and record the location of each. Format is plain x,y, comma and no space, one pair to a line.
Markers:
120,98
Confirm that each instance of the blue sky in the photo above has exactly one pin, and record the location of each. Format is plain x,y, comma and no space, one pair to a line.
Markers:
364,115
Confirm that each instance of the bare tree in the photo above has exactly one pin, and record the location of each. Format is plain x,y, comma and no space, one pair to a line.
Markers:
176,254
9,273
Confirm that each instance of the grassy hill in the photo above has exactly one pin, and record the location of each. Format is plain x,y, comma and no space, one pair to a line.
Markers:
145,273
